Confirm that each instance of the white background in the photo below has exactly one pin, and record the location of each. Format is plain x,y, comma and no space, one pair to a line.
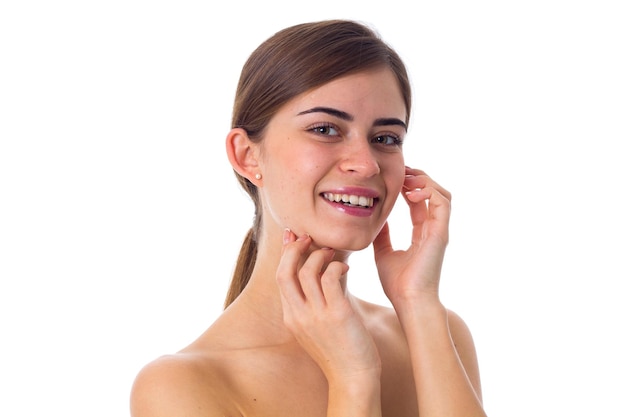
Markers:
121,220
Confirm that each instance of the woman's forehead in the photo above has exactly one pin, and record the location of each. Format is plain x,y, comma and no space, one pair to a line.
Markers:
376,92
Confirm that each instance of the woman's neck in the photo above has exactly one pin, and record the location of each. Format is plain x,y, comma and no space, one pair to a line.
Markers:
260,300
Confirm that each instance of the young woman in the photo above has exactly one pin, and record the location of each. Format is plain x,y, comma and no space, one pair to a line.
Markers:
320,115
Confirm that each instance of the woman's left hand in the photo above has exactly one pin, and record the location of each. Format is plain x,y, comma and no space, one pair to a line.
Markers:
414,273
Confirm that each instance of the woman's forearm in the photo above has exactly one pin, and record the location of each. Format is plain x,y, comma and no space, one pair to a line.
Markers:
443,386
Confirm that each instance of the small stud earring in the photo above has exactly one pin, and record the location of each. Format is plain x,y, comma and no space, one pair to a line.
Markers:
258,176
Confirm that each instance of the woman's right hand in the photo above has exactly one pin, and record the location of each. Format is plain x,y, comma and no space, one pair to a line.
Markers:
318,311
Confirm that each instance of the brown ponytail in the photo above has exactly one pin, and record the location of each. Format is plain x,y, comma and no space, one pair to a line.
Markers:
247,254
289,63
243,268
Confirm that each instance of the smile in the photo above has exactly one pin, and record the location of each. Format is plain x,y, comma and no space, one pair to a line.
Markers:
350,200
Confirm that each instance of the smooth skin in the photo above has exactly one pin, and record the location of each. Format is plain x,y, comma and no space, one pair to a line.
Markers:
296,342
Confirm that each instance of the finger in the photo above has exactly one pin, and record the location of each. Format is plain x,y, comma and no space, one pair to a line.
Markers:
418,206
310,275
422,181
413,171
438,204
382,242
415,181
331,283
416,178
435,219
287,271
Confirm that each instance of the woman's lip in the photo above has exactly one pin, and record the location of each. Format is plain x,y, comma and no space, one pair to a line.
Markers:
358,211
350,199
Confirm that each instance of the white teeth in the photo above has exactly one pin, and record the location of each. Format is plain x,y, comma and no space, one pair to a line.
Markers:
353,200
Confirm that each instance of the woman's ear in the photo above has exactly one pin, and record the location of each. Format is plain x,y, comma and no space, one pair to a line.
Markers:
243,155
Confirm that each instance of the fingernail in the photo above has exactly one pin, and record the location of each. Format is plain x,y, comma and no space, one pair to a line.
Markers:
286,236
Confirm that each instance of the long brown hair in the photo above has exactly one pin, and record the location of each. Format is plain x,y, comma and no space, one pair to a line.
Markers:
289,63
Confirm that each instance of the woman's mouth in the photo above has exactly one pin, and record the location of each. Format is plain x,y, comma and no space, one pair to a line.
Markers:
350,200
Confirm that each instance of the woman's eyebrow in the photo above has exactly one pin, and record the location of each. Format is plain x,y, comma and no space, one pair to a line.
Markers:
329,110
385,121
390,121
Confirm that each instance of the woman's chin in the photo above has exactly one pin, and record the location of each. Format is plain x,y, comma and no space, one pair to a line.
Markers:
342,244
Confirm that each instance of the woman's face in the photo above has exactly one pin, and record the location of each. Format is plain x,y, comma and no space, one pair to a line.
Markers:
332,161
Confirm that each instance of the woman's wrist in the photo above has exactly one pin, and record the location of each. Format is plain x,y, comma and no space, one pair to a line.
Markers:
357,395
419,302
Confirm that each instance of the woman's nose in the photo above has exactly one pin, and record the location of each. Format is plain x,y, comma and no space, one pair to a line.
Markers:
359,158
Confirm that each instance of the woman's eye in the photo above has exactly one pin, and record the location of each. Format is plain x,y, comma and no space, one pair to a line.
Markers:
388,140
325,130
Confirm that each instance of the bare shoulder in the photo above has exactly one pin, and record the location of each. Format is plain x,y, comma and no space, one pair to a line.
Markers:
461,334
465,347
383,324
458,325
182,384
